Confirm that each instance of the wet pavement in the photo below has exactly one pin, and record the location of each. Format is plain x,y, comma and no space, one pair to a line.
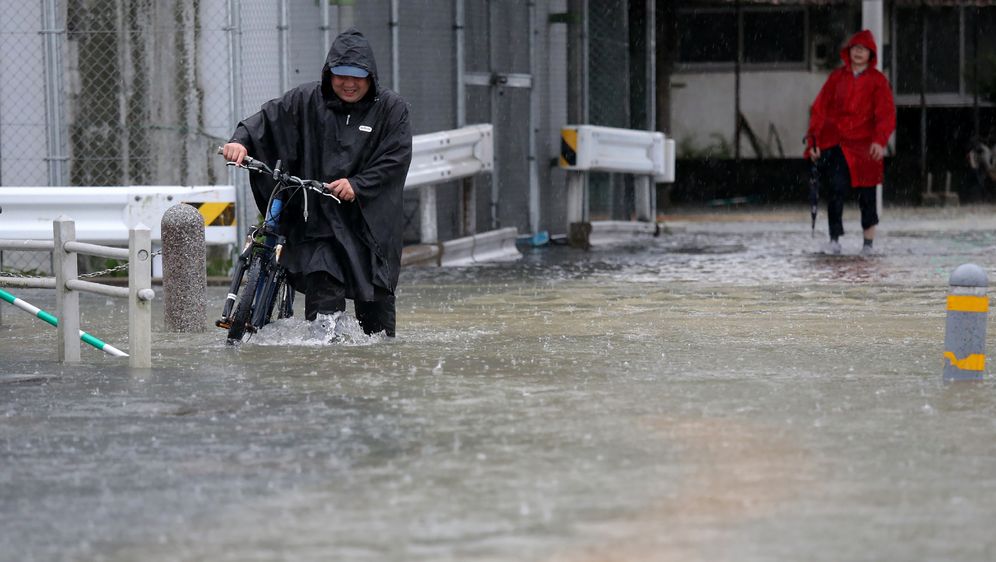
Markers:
722,392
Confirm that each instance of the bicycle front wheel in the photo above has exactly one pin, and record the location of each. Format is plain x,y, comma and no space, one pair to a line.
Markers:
269,291
243,308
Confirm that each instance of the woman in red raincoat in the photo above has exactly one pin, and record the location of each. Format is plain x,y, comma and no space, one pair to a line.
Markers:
849,127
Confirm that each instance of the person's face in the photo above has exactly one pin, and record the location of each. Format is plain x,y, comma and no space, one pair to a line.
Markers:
860,55
350,89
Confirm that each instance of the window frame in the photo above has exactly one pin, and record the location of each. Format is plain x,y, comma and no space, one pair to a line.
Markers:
729,66
964,95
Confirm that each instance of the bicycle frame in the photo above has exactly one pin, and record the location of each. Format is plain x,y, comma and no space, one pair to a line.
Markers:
258,272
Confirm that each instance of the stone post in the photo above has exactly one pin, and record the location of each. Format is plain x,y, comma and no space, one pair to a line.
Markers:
184,269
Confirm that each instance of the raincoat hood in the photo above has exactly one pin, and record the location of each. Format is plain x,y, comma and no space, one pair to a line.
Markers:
866,40
350,48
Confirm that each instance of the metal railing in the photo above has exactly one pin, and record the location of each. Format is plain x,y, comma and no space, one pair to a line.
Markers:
446,156
647,155
68,285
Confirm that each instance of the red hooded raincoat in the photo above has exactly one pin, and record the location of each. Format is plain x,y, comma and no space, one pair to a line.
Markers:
854,112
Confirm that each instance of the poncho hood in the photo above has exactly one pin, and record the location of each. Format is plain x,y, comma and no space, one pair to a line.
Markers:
866,40
350,48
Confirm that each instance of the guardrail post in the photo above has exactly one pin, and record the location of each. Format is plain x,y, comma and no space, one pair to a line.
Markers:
468,209
575,195
578,229
67,302
644,206
139,300
427,214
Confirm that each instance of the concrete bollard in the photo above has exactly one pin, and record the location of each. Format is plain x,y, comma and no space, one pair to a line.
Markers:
965,331
184,269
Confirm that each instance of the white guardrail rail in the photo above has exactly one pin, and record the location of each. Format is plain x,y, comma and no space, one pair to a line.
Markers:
446,156
104,215
590,148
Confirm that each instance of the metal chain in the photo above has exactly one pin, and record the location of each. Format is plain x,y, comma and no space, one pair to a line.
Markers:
20,275
113,269
80,276
102,273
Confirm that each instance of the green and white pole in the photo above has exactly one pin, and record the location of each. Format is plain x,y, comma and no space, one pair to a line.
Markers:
39,313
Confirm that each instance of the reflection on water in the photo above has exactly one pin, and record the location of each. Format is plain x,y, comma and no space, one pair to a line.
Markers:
723,392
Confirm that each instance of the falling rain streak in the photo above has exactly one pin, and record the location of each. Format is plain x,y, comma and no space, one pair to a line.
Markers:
721,392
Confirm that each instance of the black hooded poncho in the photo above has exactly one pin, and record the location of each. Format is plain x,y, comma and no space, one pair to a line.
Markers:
316,135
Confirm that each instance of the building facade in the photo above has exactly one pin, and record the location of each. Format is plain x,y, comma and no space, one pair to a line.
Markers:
765,61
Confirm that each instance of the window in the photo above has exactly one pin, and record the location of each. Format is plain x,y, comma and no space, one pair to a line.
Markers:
943,55
774,36
707,37
771,36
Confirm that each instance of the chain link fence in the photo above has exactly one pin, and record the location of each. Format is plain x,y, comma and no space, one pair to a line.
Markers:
116,93
617,88
141,92
32,144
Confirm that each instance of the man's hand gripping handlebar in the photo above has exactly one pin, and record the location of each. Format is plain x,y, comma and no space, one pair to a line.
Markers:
250,163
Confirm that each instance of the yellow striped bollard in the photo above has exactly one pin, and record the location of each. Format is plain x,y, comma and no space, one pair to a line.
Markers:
965,330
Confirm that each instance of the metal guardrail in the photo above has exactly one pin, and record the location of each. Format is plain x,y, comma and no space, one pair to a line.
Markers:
648,155
68,285
103,215
446,156
610,149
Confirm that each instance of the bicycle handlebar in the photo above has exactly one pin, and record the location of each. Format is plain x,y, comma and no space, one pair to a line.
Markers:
258,166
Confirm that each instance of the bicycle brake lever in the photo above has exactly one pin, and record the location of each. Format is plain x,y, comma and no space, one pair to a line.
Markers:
320,188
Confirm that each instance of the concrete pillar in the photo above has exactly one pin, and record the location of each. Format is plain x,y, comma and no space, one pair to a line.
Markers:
872,19
184,272
965,330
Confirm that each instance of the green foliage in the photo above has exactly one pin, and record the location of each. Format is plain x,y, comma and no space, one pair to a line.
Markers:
219,261
112,263
219,267
720,148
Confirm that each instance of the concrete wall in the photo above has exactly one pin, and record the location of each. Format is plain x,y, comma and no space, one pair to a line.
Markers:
704,105
22,95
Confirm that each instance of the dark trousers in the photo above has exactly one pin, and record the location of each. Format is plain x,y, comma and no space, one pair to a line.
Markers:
324,294
834,174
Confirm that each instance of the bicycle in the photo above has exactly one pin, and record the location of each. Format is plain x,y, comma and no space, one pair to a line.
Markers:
259,283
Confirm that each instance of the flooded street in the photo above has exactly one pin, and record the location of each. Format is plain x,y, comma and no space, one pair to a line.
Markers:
719,393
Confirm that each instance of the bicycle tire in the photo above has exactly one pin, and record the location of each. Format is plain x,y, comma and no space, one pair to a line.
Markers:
243,309
285,296
233,288
267,296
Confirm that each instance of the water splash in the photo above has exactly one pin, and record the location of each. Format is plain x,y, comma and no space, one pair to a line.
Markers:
345,331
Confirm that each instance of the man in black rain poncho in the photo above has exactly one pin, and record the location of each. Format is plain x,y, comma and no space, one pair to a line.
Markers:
354,135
